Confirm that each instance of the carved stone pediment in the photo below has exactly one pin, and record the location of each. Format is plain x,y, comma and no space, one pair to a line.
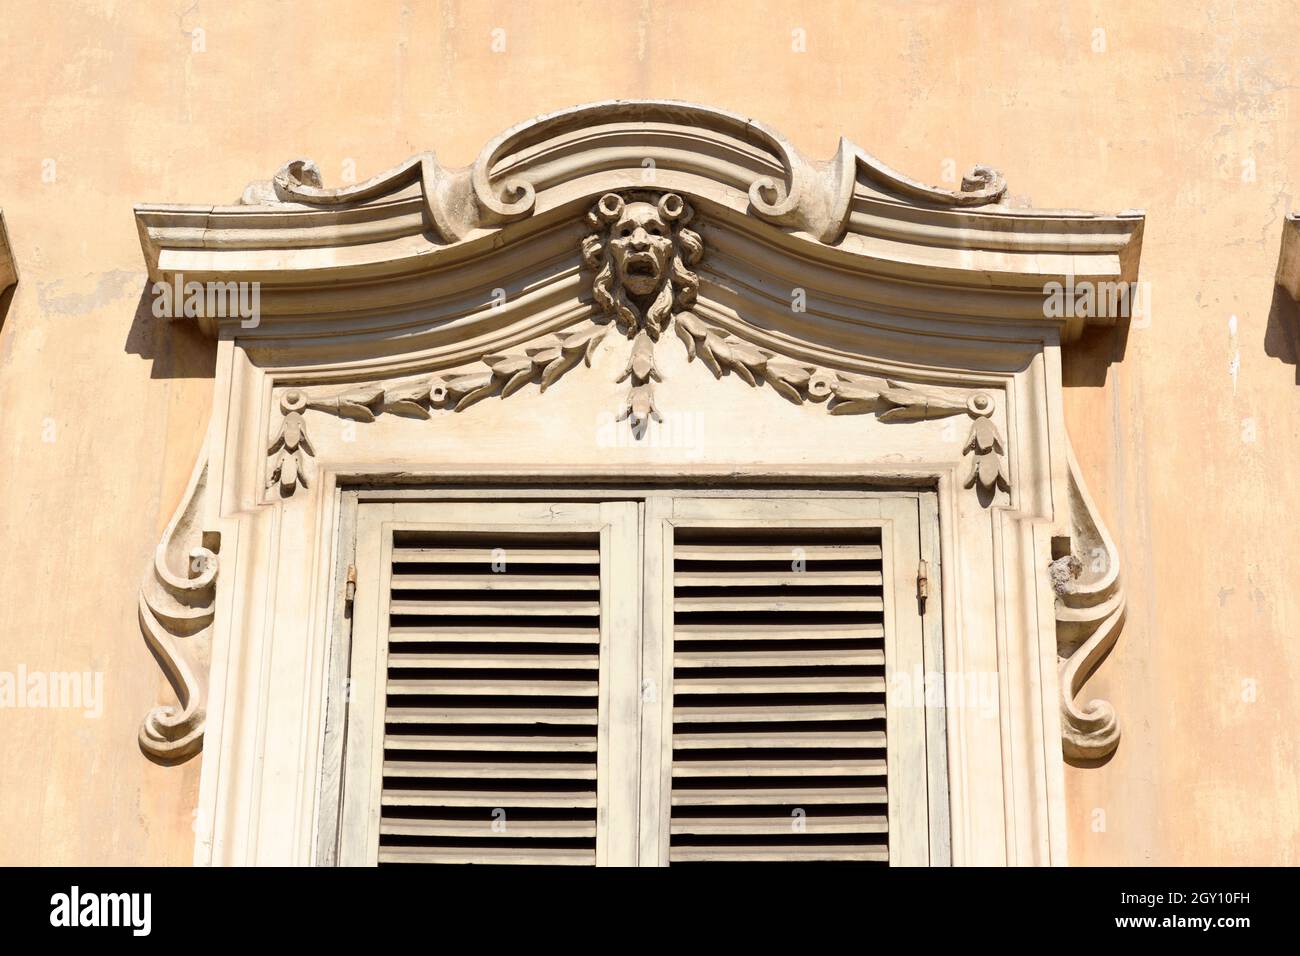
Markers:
862,231
643,260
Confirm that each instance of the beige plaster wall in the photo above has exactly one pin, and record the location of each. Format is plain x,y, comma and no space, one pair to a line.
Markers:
1186,113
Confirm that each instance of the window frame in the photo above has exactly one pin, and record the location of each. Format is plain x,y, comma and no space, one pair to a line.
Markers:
636,528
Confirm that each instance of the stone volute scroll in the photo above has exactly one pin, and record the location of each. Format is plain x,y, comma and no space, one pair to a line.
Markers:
642,262
176,607
1090,609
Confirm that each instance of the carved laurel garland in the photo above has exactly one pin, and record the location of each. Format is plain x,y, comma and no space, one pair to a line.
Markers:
549,358
501,374
847,394
176,606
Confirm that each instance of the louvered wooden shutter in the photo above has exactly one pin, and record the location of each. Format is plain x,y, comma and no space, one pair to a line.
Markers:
779,729
683,679
491,723
492,739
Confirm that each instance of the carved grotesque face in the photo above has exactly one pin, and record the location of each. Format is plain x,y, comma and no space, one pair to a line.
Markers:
641,249
641,244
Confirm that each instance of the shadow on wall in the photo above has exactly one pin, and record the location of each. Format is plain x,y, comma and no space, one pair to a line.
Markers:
6,298
1086,362
1280,335
176,347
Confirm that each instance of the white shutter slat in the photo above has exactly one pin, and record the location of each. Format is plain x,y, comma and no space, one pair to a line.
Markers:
486,557
487,687
780,578
512,634
500,582
780,824
778,603
489,769
493,661
493,607
782,553
778,703
763,631
763,710
809,853
834,657
753,767
489,744
779,796
492,713
555,800
781,740
522,716
689,683
479,829
540,855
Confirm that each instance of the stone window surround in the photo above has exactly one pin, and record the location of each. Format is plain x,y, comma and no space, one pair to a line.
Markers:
925,306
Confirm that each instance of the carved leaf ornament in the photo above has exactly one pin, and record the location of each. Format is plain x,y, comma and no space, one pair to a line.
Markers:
640,249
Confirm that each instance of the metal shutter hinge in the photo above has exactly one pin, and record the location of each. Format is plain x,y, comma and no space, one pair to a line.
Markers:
350,589
923,580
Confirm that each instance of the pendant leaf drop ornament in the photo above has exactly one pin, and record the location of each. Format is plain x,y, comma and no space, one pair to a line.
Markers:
641,250
988,468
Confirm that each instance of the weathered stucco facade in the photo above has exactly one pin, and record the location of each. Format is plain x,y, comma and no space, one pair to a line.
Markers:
1183,428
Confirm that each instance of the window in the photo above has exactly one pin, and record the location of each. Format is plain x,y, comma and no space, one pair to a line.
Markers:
650,680
925,358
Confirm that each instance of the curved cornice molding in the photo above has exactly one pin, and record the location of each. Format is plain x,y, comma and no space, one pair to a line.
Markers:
850,213
559,148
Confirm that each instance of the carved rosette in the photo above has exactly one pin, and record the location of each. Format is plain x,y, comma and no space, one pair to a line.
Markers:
176,606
